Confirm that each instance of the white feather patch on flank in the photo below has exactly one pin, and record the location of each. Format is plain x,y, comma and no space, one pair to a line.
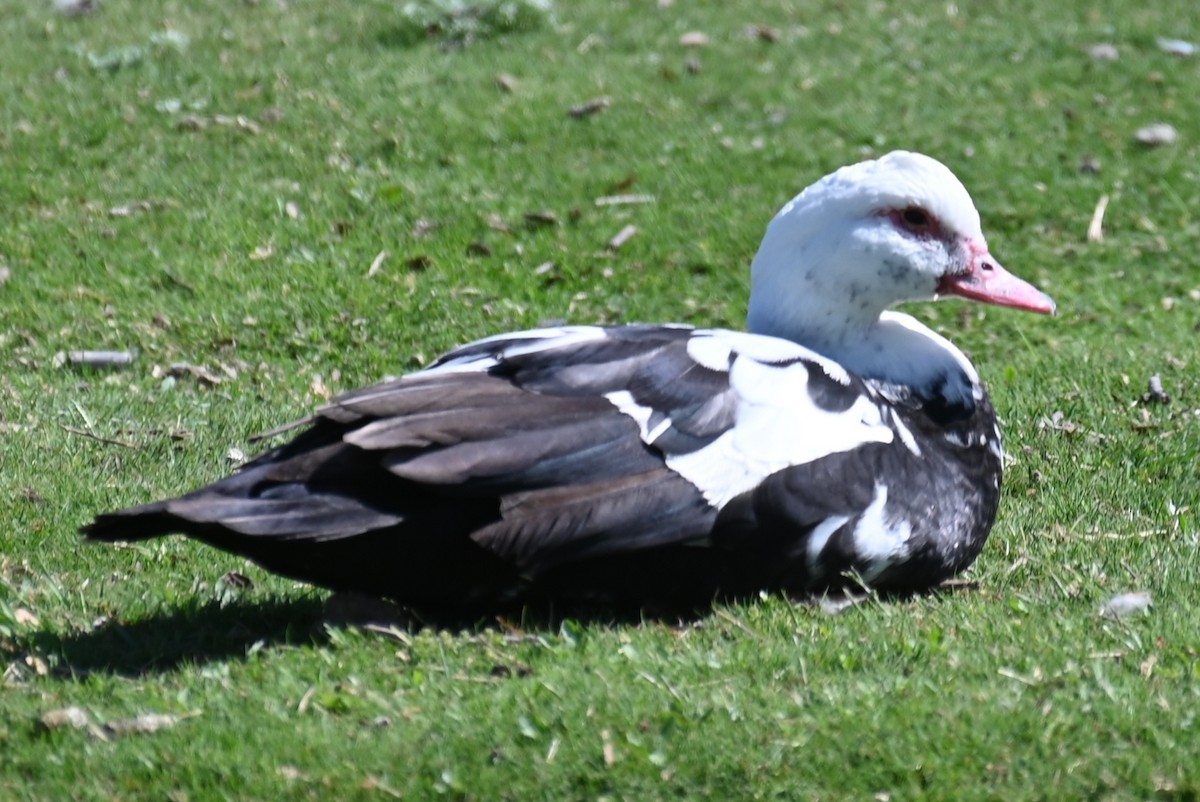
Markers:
995,443
906,435
777,425
818,539
878,542
623,401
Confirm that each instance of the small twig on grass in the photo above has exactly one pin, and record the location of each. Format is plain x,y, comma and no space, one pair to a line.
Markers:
302,707
623,236
590,107
83,413
1095,229
1032,681
377,263
607,748
92,436
100,359
622,200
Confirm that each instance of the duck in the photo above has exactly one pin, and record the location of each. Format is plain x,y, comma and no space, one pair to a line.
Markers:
835,443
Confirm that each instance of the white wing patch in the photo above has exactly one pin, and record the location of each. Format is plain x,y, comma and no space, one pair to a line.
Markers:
623,400
879,542
712,347
777,426
819,538
906,435
522,342
710,352
995,443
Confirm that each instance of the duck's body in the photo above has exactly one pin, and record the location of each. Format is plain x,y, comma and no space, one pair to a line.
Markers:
662,463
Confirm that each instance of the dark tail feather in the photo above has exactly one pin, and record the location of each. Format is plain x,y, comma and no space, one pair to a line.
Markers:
134,523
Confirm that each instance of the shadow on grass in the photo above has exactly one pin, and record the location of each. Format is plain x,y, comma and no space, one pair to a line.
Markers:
203,633
190,635
208,632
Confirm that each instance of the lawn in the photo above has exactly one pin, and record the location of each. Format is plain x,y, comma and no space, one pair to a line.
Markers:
270,201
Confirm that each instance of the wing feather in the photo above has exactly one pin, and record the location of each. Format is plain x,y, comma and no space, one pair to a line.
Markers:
544,528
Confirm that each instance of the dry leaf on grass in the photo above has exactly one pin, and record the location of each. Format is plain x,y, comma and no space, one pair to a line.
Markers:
196,122
623,236
542,217
623,184
589,107
129,209
262,252
1157,134
496,223
74,717
1124,604
144,724
1176,47
237,580
763,33
622,200
1156,394
199,372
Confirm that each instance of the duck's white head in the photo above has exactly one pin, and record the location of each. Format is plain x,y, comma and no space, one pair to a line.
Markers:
872,234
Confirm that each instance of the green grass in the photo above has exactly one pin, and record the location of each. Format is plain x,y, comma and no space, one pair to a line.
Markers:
377,131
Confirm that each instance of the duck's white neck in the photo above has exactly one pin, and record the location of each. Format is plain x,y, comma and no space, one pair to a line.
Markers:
893,347
850,324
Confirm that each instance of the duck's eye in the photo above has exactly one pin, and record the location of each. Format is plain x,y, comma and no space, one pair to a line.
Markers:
916,218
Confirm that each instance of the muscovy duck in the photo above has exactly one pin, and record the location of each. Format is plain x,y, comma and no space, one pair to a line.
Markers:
662,464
